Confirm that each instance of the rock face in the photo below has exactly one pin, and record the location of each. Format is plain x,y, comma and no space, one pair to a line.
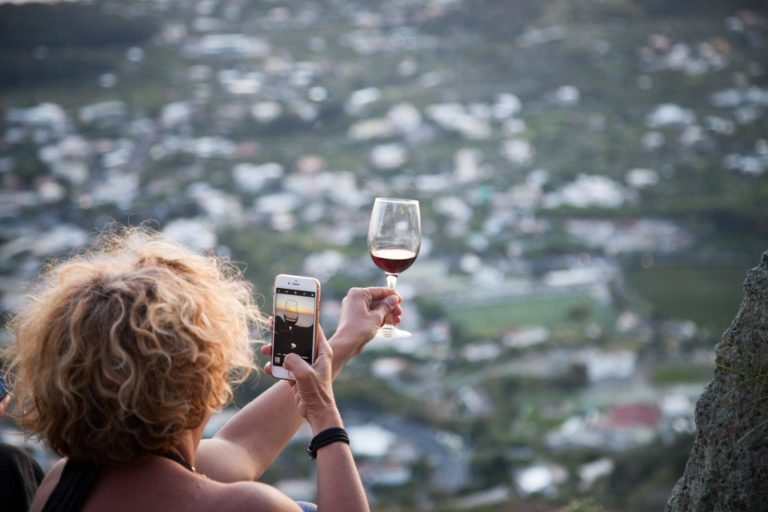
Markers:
727,470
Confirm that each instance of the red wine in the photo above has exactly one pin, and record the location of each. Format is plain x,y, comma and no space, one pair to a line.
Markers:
393,261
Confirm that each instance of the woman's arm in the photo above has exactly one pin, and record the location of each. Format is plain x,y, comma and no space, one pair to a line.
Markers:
248,443
339,487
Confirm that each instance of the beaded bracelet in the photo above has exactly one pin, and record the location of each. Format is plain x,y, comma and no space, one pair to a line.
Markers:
326,437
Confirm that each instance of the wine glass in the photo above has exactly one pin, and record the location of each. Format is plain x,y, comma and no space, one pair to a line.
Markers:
291,313
394,239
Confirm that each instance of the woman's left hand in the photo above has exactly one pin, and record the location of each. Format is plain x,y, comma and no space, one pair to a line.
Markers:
266,349
312,388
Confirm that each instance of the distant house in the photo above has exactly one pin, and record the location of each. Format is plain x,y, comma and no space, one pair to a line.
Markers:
621,427
103,114
45,115
628,416
228,46
602,365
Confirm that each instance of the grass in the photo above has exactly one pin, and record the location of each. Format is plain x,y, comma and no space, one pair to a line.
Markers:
143,85
681,374
706,294
490,320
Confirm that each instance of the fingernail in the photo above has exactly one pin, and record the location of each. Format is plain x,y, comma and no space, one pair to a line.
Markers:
392,300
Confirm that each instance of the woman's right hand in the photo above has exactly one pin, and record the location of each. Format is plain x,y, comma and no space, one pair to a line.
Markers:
312,388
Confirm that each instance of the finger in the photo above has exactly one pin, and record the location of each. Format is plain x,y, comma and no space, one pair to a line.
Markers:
268,368
386,306
320,332
324,360
266,349
294,363
323,349
377,293
392,319
319,341
320,337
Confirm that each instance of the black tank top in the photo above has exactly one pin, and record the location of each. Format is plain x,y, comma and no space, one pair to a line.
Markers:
77,481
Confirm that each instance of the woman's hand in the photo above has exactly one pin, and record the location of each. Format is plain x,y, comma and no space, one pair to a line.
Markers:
363,311
312,389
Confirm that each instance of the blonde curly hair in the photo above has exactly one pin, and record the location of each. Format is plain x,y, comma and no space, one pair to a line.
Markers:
126,346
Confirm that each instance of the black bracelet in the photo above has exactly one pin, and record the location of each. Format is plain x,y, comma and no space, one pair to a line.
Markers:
326,437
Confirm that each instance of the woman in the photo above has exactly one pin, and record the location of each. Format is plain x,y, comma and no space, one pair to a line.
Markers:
127,351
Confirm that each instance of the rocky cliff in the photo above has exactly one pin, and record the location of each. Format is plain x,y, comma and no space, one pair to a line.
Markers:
727,470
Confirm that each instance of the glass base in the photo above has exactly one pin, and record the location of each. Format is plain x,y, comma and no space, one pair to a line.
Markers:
391,332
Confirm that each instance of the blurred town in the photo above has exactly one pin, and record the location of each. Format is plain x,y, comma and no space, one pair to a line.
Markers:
592,178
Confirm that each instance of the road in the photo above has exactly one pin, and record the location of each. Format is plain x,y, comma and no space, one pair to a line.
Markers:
446,452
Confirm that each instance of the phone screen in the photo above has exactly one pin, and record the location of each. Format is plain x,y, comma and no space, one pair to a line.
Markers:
294,326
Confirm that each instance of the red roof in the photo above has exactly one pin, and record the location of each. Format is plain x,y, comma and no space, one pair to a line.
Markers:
634,415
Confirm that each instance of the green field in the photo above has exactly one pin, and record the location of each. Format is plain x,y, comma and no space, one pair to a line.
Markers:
707,294
559,311
681,374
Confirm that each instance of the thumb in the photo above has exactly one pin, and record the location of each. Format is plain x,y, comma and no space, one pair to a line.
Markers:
384,307
294,363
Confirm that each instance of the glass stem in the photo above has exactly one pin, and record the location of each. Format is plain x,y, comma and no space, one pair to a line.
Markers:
391,283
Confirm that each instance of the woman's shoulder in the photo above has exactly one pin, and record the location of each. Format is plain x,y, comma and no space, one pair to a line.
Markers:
250,497
208,494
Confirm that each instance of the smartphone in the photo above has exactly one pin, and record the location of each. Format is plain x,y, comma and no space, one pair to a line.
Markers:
296,316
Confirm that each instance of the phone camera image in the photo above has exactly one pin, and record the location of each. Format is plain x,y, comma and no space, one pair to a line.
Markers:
294,324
